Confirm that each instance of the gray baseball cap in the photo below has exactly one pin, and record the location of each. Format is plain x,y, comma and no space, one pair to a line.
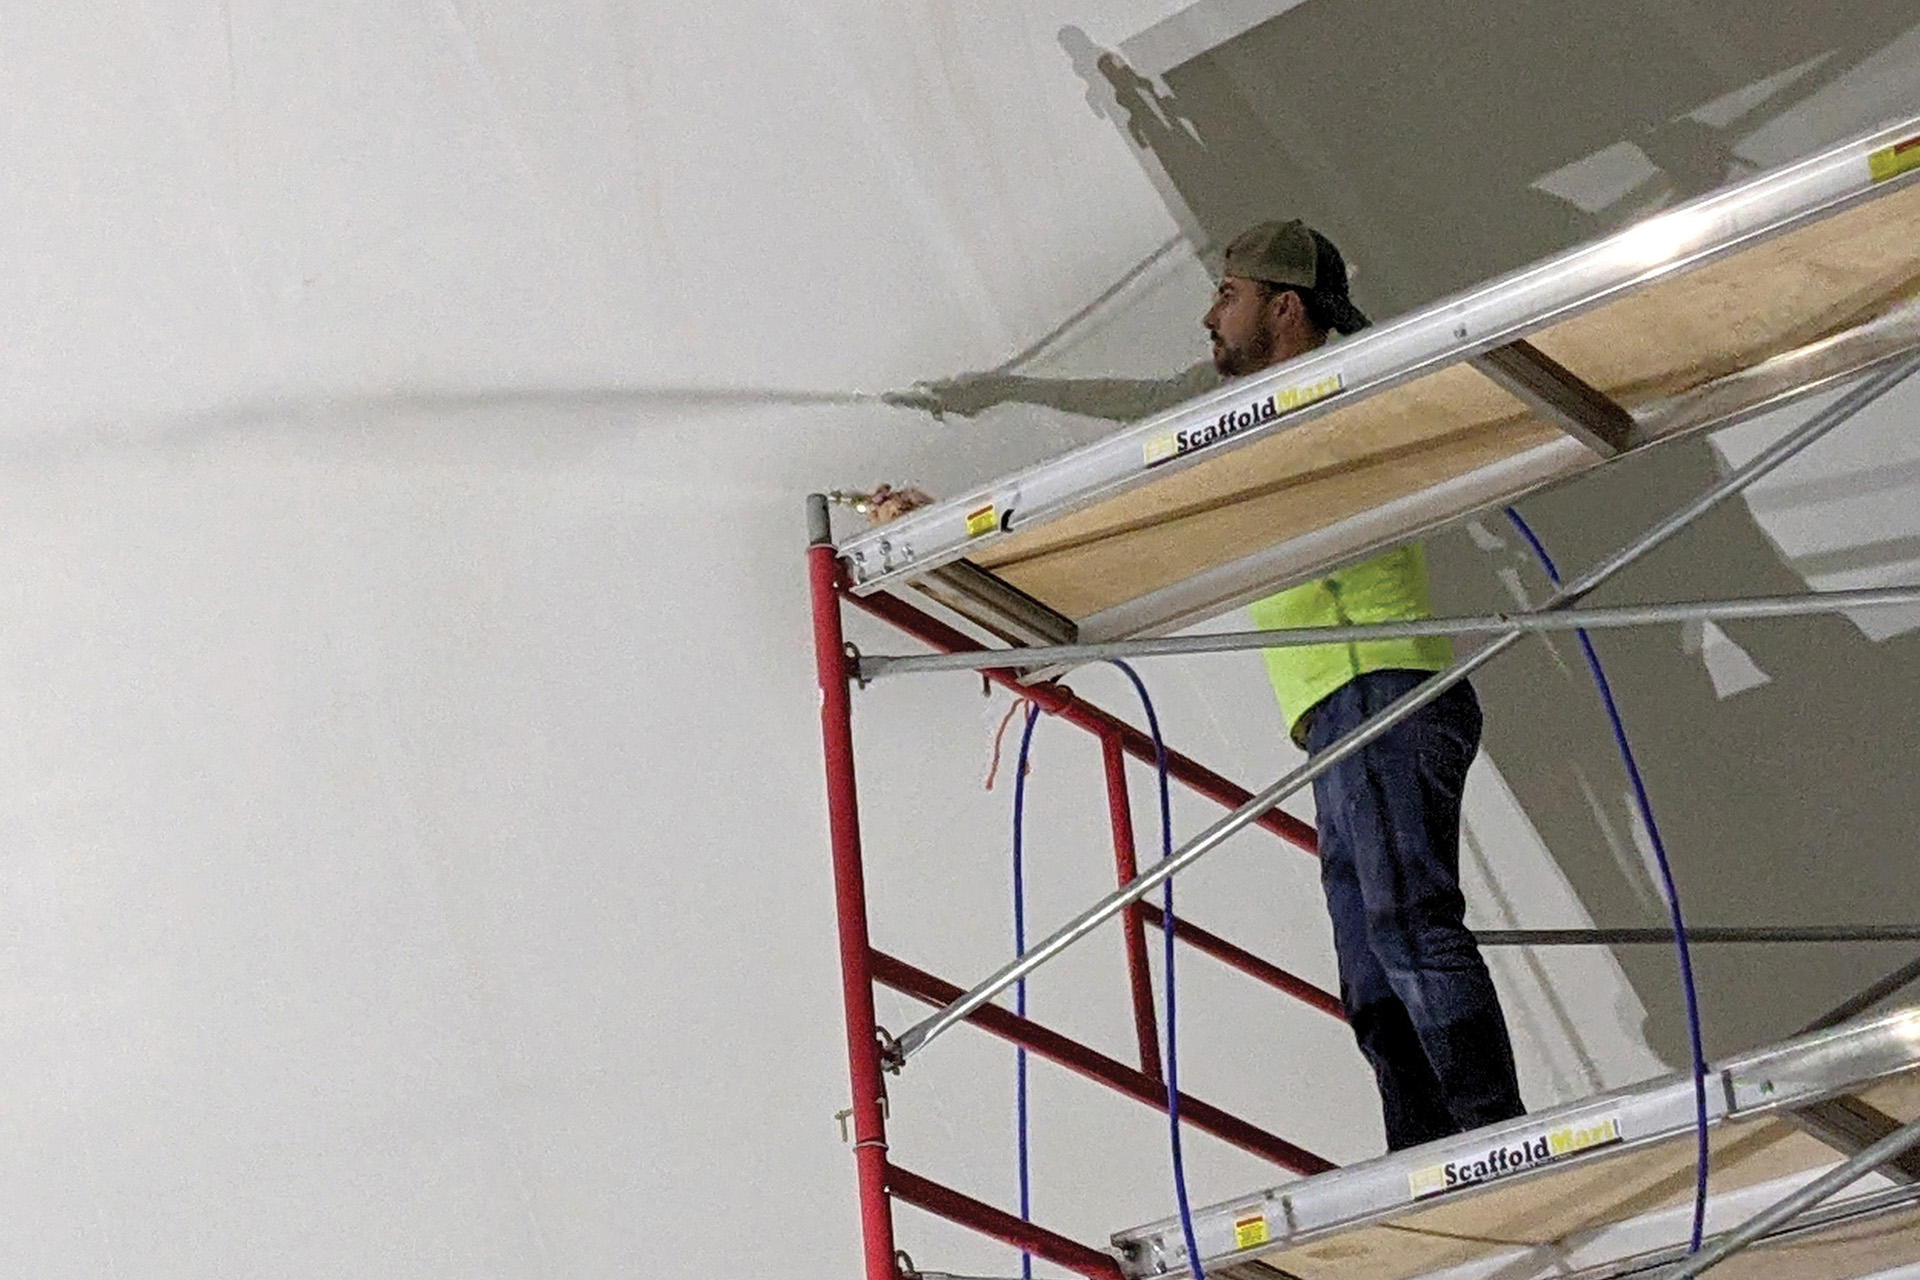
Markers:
1296,256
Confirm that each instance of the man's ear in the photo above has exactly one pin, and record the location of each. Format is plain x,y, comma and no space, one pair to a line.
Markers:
1286,304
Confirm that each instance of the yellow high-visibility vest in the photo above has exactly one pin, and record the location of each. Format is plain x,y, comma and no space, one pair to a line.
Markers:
1387,588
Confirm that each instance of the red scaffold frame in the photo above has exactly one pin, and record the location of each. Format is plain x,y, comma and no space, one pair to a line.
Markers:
881,1181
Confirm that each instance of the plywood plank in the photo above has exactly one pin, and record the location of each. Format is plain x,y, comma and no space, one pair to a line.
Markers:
1862,1248
1434,407
1898,1097
1542,1211
1671,336
1539,1211
1733,313
1430,430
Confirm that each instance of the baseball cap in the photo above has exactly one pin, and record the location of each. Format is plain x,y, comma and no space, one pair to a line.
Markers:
1295,255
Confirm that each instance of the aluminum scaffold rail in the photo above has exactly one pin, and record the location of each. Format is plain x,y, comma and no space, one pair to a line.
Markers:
879,666
1767,460
1734,934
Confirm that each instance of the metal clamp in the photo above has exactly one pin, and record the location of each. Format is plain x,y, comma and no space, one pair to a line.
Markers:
851,652
892,1056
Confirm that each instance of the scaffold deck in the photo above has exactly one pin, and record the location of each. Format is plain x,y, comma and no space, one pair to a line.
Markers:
1695,317
1706,313
1601,1187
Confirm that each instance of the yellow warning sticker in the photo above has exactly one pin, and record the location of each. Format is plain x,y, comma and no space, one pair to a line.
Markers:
1891,162
1250,1231
982,522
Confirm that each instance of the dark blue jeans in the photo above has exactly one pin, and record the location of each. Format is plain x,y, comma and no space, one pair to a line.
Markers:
1416,991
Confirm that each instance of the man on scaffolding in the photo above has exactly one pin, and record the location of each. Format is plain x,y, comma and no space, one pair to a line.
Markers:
1416,990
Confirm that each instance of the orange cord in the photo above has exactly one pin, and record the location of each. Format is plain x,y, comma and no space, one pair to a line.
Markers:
999,735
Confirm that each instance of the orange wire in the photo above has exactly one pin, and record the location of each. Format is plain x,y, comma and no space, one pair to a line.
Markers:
999,735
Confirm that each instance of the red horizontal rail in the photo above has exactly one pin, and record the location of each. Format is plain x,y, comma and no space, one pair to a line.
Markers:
1096,1066
1246,962
924,1193
1058,700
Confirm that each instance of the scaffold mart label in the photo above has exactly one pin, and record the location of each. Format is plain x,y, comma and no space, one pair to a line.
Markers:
1504,1159
1891,162
982,521
1242,418
1250,1231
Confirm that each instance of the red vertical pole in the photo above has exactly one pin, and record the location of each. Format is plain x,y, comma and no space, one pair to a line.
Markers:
850,898
1126,869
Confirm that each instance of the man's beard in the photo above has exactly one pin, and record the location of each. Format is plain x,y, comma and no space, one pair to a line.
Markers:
1256,353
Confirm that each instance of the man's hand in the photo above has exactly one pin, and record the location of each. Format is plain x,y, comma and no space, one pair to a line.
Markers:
888,503
966,394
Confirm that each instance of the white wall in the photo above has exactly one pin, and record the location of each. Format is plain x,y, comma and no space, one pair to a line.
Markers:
415,863
417,866
415,852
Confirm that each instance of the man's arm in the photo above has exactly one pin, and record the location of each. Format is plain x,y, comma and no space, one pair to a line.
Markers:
1116,399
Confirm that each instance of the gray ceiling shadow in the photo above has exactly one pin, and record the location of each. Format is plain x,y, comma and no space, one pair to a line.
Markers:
1792,802
1416,133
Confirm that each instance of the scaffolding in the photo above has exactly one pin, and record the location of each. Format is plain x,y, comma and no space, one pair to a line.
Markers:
1795,280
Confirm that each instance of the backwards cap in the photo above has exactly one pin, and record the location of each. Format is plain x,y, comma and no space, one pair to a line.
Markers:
1296,256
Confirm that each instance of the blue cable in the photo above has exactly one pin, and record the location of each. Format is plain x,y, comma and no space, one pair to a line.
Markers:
1166,931
1666,880
1020,987
1641,801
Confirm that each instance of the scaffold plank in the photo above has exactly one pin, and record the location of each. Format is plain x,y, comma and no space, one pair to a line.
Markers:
1719,308
1534,1194
1863,1247
1669,338
1280,475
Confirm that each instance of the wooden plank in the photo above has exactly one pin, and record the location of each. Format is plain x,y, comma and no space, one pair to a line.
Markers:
1862,1248
1733,313
1541,1211
1669,337
1898,1097
1332,467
